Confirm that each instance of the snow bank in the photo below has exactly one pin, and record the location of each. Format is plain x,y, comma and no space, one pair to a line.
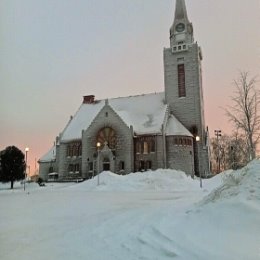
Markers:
243,183
159,180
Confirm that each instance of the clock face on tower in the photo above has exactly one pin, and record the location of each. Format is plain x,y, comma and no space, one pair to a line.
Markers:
180,27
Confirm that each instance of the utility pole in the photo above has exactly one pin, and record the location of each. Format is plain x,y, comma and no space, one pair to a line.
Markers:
218,134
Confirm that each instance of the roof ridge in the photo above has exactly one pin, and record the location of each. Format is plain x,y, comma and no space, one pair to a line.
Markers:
139,95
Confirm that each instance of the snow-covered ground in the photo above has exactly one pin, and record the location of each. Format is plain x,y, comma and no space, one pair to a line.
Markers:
153,215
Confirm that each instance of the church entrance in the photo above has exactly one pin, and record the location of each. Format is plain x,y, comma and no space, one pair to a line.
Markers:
106,164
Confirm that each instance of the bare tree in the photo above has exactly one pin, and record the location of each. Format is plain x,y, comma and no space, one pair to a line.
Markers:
228,152
244,112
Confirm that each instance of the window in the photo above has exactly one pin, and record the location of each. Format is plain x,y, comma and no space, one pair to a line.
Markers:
145,148
138,147
148,165
79,150
69,150
181,80
122,165
76,168
51,170
152,146
70,168
73,168
141,165
74,149
107,136
90,166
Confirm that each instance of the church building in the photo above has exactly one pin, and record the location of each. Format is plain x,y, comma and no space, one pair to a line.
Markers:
143,132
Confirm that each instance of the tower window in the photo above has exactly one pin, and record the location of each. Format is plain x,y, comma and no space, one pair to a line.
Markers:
181,80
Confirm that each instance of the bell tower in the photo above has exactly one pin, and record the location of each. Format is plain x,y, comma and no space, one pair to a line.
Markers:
181,29
183,83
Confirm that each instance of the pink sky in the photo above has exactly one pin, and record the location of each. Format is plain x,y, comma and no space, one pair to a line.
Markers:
54,52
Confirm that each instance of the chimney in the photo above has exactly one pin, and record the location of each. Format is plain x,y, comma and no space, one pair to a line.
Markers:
90,99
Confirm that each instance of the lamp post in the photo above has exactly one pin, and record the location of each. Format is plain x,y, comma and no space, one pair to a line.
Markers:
26,152
218,134
197,141
98,150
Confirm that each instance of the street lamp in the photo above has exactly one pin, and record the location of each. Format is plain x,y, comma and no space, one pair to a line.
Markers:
197,141
98,150
26,152
218,134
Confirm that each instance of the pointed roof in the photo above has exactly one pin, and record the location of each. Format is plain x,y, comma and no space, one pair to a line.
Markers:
144,112
49,156
175,127
180,10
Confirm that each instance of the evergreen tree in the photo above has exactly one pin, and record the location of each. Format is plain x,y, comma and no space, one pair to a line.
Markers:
12,165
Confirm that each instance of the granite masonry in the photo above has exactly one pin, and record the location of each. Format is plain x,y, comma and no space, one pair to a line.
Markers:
143,132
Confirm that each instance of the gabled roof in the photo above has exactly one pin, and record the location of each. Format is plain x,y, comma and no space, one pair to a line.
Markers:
175,127
144,112
49,156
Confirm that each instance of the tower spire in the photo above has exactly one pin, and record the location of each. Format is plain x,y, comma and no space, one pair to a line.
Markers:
180,10
181,30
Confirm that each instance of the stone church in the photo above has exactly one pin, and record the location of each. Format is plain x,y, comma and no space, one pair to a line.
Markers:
143,132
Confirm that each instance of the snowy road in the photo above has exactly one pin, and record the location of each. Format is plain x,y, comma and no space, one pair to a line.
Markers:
88,225
127,219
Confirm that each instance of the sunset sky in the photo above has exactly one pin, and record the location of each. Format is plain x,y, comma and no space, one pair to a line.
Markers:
52,52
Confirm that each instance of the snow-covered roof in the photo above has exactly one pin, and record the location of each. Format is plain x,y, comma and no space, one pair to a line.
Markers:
144,112
175,127
49,156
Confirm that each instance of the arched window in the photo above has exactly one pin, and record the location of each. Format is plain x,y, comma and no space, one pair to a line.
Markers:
107,135
74,150
79,150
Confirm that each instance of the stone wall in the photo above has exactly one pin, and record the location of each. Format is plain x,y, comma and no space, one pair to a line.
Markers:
180,157
124,143
189,110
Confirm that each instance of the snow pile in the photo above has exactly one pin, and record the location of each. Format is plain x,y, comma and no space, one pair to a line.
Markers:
243,183
159,180
226,221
